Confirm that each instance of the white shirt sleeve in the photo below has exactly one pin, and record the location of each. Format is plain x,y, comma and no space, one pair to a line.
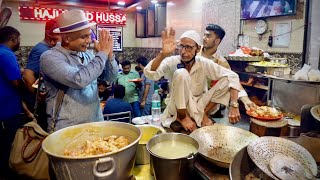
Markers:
215,72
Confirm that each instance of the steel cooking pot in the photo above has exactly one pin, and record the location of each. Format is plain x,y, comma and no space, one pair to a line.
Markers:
147,132
172,168
113,165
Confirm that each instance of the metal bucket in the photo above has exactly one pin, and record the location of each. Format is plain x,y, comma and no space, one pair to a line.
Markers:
113,165
147,132
176,168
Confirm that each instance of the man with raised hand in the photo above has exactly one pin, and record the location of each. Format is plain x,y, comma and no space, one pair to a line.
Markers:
190,101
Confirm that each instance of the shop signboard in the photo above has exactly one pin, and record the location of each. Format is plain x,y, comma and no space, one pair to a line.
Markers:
117,34
43,14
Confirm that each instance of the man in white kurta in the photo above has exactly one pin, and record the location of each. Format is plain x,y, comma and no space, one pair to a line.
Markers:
190,101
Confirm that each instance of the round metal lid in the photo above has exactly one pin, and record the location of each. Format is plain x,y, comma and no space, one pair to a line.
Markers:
265,148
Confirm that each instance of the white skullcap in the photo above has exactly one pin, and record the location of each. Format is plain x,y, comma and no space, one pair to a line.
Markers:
192,34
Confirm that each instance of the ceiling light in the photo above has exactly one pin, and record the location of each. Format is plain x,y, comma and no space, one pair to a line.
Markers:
170,3
138,7
154,1
121,3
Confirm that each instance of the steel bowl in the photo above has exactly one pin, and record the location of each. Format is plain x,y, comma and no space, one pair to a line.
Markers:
220,143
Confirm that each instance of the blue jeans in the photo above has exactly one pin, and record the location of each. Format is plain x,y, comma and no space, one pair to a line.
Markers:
136,109
146,110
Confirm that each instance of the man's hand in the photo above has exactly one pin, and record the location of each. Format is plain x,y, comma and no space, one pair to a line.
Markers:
110,57
142,104
234,115
105,43
248,104
168,41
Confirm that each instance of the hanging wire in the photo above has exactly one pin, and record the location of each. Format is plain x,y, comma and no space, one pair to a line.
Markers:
289,32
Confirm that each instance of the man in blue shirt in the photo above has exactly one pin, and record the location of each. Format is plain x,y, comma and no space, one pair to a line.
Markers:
31,72
72,68
10,94
117,104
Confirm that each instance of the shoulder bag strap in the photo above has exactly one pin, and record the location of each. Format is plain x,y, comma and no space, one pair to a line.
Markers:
59,101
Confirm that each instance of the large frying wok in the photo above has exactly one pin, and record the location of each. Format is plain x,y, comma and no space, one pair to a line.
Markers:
220,143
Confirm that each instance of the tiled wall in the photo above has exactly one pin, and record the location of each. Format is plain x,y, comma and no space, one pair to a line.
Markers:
294,59
130,54
225,13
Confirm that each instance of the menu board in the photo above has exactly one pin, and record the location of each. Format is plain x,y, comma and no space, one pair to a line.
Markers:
117,34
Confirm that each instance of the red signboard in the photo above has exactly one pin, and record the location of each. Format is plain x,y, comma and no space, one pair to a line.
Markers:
44,14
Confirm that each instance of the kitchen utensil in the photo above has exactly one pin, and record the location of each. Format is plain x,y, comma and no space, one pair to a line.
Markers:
172,168
315,111
142,120
286,167
147,131
220,143
242,167
113,165
265,148
267,118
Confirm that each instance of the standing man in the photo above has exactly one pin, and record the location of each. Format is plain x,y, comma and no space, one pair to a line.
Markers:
125,79
32,70
11,88
147,89
211,40
190,101
70,67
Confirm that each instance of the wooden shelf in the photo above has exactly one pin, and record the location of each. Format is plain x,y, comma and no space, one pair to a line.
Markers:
255,86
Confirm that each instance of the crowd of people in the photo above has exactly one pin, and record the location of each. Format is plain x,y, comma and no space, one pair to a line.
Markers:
72,81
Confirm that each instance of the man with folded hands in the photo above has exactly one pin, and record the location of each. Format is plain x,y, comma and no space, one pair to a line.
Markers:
73,69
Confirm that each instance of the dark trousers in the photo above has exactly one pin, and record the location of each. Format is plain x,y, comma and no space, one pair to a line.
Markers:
8,129
136,108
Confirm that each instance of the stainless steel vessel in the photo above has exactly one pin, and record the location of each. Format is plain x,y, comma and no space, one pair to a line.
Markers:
172,169
113,165
147,132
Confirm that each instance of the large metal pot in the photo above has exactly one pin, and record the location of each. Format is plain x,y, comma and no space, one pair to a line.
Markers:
113,165
173,168
147,132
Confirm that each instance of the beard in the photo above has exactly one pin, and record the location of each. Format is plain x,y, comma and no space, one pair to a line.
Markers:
16,47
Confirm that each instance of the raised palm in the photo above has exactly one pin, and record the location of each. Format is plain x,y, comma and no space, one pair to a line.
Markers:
168,41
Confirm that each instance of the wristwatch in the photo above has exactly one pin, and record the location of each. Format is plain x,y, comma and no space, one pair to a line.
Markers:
234,104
